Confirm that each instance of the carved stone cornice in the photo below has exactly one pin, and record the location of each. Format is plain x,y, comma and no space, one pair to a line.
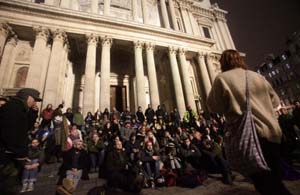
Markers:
59,35
138,44
80,22
220,14
41,32
172,50
92,39
185,4
150,46
106,41
200,11
181,51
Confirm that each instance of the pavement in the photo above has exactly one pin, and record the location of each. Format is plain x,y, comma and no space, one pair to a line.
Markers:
47,178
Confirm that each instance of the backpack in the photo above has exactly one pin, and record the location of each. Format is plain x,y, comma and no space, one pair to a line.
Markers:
189,180
171,179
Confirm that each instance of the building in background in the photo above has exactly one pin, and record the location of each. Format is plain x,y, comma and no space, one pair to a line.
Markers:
113,53
283,71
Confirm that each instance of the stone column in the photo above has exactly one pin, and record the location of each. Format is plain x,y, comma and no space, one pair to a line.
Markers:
4,31
188,90
223,33
95,6
229,35
45,69
186,20
210,67
90,73
135,8
154,94
216,38
105,74
219,36
6,62
164,13
204,74
97,91
106,7
62,72
65,4
37,64
177,81
51,86
173,15
145,12
139,74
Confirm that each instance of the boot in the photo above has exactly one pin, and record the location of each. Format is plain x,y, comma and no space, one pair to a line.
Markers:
227,179
24,187
30,187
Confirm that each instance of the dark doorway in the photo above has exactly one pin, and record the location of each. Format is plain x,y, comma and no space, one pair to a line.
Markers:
118,97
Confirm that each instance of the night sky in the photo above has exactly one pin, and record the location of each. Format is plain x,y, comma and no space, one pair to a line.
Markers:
260,27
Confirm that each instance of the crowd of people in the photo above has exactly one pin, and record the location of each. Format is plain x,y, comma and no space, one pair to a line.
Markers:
142,149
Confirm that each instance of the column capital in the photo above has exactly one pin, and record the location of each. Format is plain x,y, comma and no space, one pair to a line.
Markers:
67,46
150,46
5,29
172,50
106,41
181,51
41,32
210,56
138,44
201,54
59,35
92,39
13,40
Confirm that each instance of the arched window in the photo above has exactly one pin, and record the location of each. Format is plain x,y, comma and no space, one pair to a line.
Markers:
21,77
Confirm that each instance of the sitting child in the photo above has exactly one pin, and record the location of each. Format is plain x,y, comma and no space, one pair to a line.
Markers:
29,175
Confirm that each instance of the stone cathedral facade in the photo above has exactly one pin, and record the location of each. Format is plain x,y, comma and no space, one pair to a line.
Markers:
100,54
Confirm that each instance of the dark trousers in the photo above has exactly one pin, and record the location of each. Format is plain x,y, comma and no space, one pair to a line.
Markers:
269,182
9,173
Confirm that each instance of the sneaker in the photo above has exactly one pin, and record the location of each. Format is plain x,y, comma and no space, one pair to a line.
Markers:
24,188
30,187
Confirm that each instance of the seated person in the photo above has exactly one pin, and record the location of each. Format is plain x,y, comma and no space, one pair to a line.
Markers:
75,164
29,175
189,153
119,176
150,159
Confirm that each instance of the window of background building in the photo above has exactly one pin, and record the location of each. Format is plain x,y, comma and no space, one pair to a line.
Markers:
287,66
206,32
39,1
273,72
270,65
270,75
283,56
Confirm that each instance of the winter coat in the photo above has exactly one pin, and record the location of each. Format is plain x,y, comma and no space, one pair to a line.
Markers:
15,121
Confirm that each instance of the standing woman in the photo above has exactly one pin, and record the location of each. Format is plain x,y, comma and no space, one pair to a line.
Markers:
228,97
61,132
